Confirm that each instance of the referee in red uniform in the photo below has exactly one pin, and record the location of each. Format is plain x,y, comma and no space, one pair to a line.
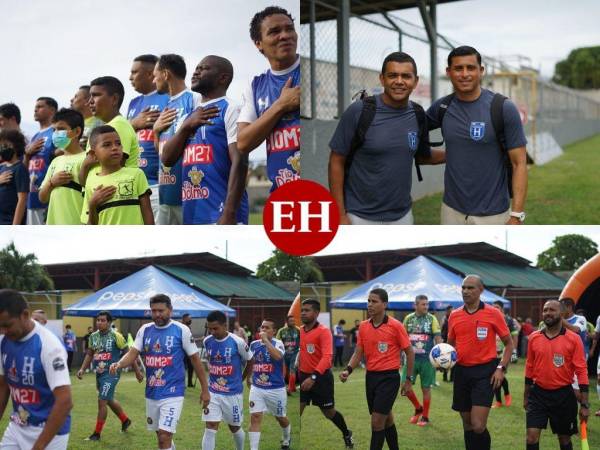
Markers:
554,355
381,339
316,379
472,330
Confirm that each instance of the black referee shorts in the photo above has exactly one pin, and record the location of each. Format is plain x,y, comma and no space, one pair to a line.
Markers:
321,394
472,386
382,390
559,406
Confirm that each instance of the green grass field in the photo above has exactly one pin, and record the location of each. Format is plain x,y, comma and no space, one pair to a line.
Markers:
560,192
506,425
189,430
255,219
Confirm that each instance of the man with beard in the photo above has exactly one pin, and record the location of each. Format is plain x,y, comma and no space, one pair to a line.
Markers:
163,343
271,106
142,113
33,372
554,356
472,330
316,379
214,171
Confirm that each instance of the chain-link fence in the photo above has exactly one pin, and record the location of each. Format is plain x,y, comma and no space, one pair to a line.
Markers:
553,115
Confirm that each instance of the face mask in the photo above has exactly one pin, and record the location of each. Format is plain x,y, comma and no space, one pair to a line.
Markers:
60,139
6,153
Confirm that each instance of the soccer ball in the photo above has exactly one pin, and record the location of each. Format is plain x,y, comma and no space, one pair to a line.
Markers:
443,356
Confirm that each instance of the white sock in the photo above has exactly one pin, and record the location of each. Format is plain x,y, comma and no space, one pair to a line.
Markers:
287,431
239,436
208,440
254,437
598,389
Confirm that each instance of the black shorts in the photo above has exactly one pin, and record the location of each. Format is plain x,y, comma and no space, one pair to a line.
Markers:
557,405
472,386
321,394
382,390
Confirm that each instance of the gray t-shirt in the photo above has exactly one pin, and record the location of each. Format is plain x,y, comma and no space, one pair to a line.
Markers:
378,184
475,181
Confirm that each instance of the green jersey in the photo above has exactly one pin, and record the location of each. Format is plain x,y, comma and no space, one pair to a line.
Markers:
290,338
422,331
123,208
65,203
107,349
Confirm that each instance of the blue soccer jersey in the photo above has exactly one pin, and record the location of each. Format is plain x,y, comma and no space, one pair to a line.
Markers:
38,166
226,361
266,372
283,143
33,367
163,350
206,167
148,159
169,178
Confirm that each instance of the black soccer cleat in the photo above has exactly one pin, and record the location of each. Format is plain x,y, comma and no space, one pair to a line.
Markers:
348,440
125,425
93,437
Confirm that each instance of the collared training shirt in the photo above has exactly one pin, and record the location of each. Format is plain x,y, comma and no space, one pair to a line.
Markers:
474,334
226,361
316,349
382,344
551,362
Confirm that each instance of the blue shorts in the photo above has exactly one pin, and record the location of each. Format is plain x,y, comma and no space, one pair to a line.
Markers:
106,385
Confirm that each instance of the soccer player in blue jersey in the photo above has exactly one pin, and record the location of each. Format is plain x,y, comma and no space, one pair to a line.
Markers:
214,172
33,373
142,114
163,344
271,107
227,355
264,373
38,155
169,77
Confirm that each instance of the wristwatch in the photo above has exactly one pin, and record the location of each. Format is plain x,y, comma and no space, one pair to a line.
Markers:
500,366
313,377
519,215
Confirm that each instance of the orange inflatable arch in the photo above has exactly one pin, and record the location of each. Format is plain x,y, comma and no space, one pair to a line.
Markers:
295,309
582,279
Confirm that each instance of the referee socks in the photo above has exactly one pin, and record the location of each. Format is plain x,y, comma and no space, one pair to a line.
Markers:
535,446
338,421
377,439
391,437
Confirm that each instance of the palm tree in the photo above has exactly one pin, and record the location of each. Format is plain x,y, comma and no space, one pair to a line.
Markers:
22,272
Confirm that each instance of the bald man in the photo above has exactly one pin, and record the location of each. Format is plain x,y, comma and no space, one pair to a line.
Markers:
472,330
214,172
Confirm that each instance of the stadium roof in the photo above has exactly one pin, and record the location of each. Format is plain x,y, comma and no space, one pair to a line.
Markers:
502,275
97,274
327,9
367,265
224,285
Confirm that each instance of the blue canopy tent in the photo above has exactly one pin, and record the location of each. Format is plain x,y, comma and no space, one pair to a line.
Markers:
417,276
129,298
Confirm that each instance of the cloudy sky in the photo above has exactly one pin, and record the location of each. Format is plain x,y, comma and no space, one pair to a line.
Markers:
50,48
543,30
248,246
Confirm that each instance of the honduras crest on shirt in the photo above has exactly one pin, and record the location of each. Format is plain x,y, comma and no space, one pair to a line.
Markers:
412,140
226,360
267,373
283,143
477,130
